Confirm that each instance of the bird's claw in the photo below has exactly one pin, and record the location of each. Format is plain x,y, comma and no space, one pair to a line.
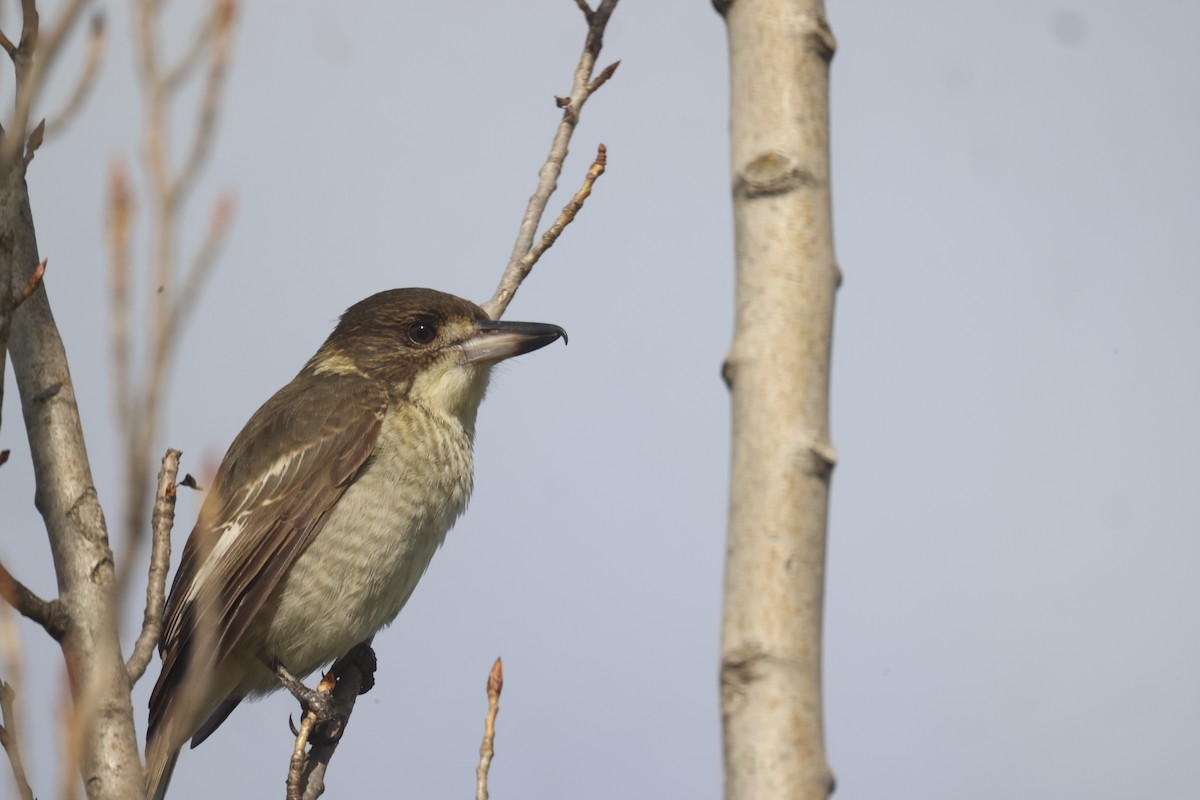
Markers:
312,701
329,721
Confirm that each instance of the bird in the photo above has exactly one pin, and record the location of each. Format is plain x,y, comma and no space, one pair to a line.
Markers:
327,508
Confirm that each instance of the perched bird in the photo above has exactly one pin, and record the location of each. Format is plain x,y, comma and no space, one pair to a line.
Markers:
327,508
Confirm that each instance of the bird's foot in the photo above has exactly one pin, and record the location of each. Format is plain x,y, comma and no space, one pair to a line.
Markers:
330,716
312,701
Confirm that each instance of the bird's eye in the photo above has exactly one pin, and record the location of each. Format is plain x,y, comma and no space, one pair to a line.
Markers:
421,333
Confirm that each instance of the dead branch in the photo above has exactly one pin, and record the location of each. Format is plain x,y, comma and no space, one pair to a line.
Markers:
495,685
581,89
161,522
49,614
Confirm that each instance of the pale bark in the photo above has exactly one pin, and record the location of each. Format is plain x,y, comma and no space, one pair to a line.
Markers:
66,498
83,617
778,374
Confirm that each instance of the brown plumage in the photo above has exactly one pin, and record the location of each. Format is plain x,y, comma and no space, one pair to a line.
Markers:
327,507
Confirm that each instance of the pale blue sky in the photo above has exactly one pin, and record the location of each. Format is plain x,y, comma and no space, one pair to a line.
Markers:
1014,532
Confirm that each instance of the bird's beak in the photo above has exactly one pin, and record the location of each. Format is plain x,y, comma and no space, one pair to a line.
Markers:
501,339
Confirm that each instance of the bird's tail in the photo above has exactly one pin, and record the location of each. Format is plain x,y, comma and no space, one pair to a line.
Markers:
160,763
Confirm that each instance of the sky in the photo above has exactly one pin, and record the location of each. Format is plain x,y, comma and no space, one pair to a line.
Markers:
1014,530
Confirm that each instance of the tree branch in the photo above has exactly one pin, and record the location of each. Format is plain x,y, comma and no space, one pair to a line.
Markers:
31,285
354,674
177,74
49,614
516,273
86,80
202,265
32,58
161,522
299,755
495,685
66,498
8,738
781,456
214,81
140,403
581,89
30,61
119,223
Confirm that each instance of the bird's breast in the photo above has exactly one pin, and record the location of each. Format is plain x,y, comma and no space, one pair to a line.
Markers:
361,568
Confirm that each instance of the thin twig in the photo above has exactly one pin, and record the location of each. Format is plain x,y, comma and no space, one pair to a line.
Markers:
495,685
191,58
29,25
86,80
581,89
36,137
169,307
355,675
23,66
603,77
202,265
206,121
299,753
568,213
49,614
161,522
8,46
31,285
10,644
120,220
8,738
32,59
517,272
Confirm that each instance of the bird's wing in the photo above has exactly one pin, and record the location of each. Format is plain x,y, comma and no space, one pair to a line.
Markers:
272,493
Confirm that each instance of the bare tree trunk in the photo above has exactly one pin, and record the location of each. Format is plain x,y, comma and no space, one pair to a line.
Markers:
778,373
66,498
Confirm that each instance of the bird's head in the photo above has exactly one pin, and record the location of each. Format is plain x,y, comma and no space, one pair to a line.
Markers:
429,347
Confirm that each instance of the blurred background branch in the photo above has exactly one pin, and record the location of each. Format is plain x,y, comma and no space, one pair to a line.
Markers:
172,292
